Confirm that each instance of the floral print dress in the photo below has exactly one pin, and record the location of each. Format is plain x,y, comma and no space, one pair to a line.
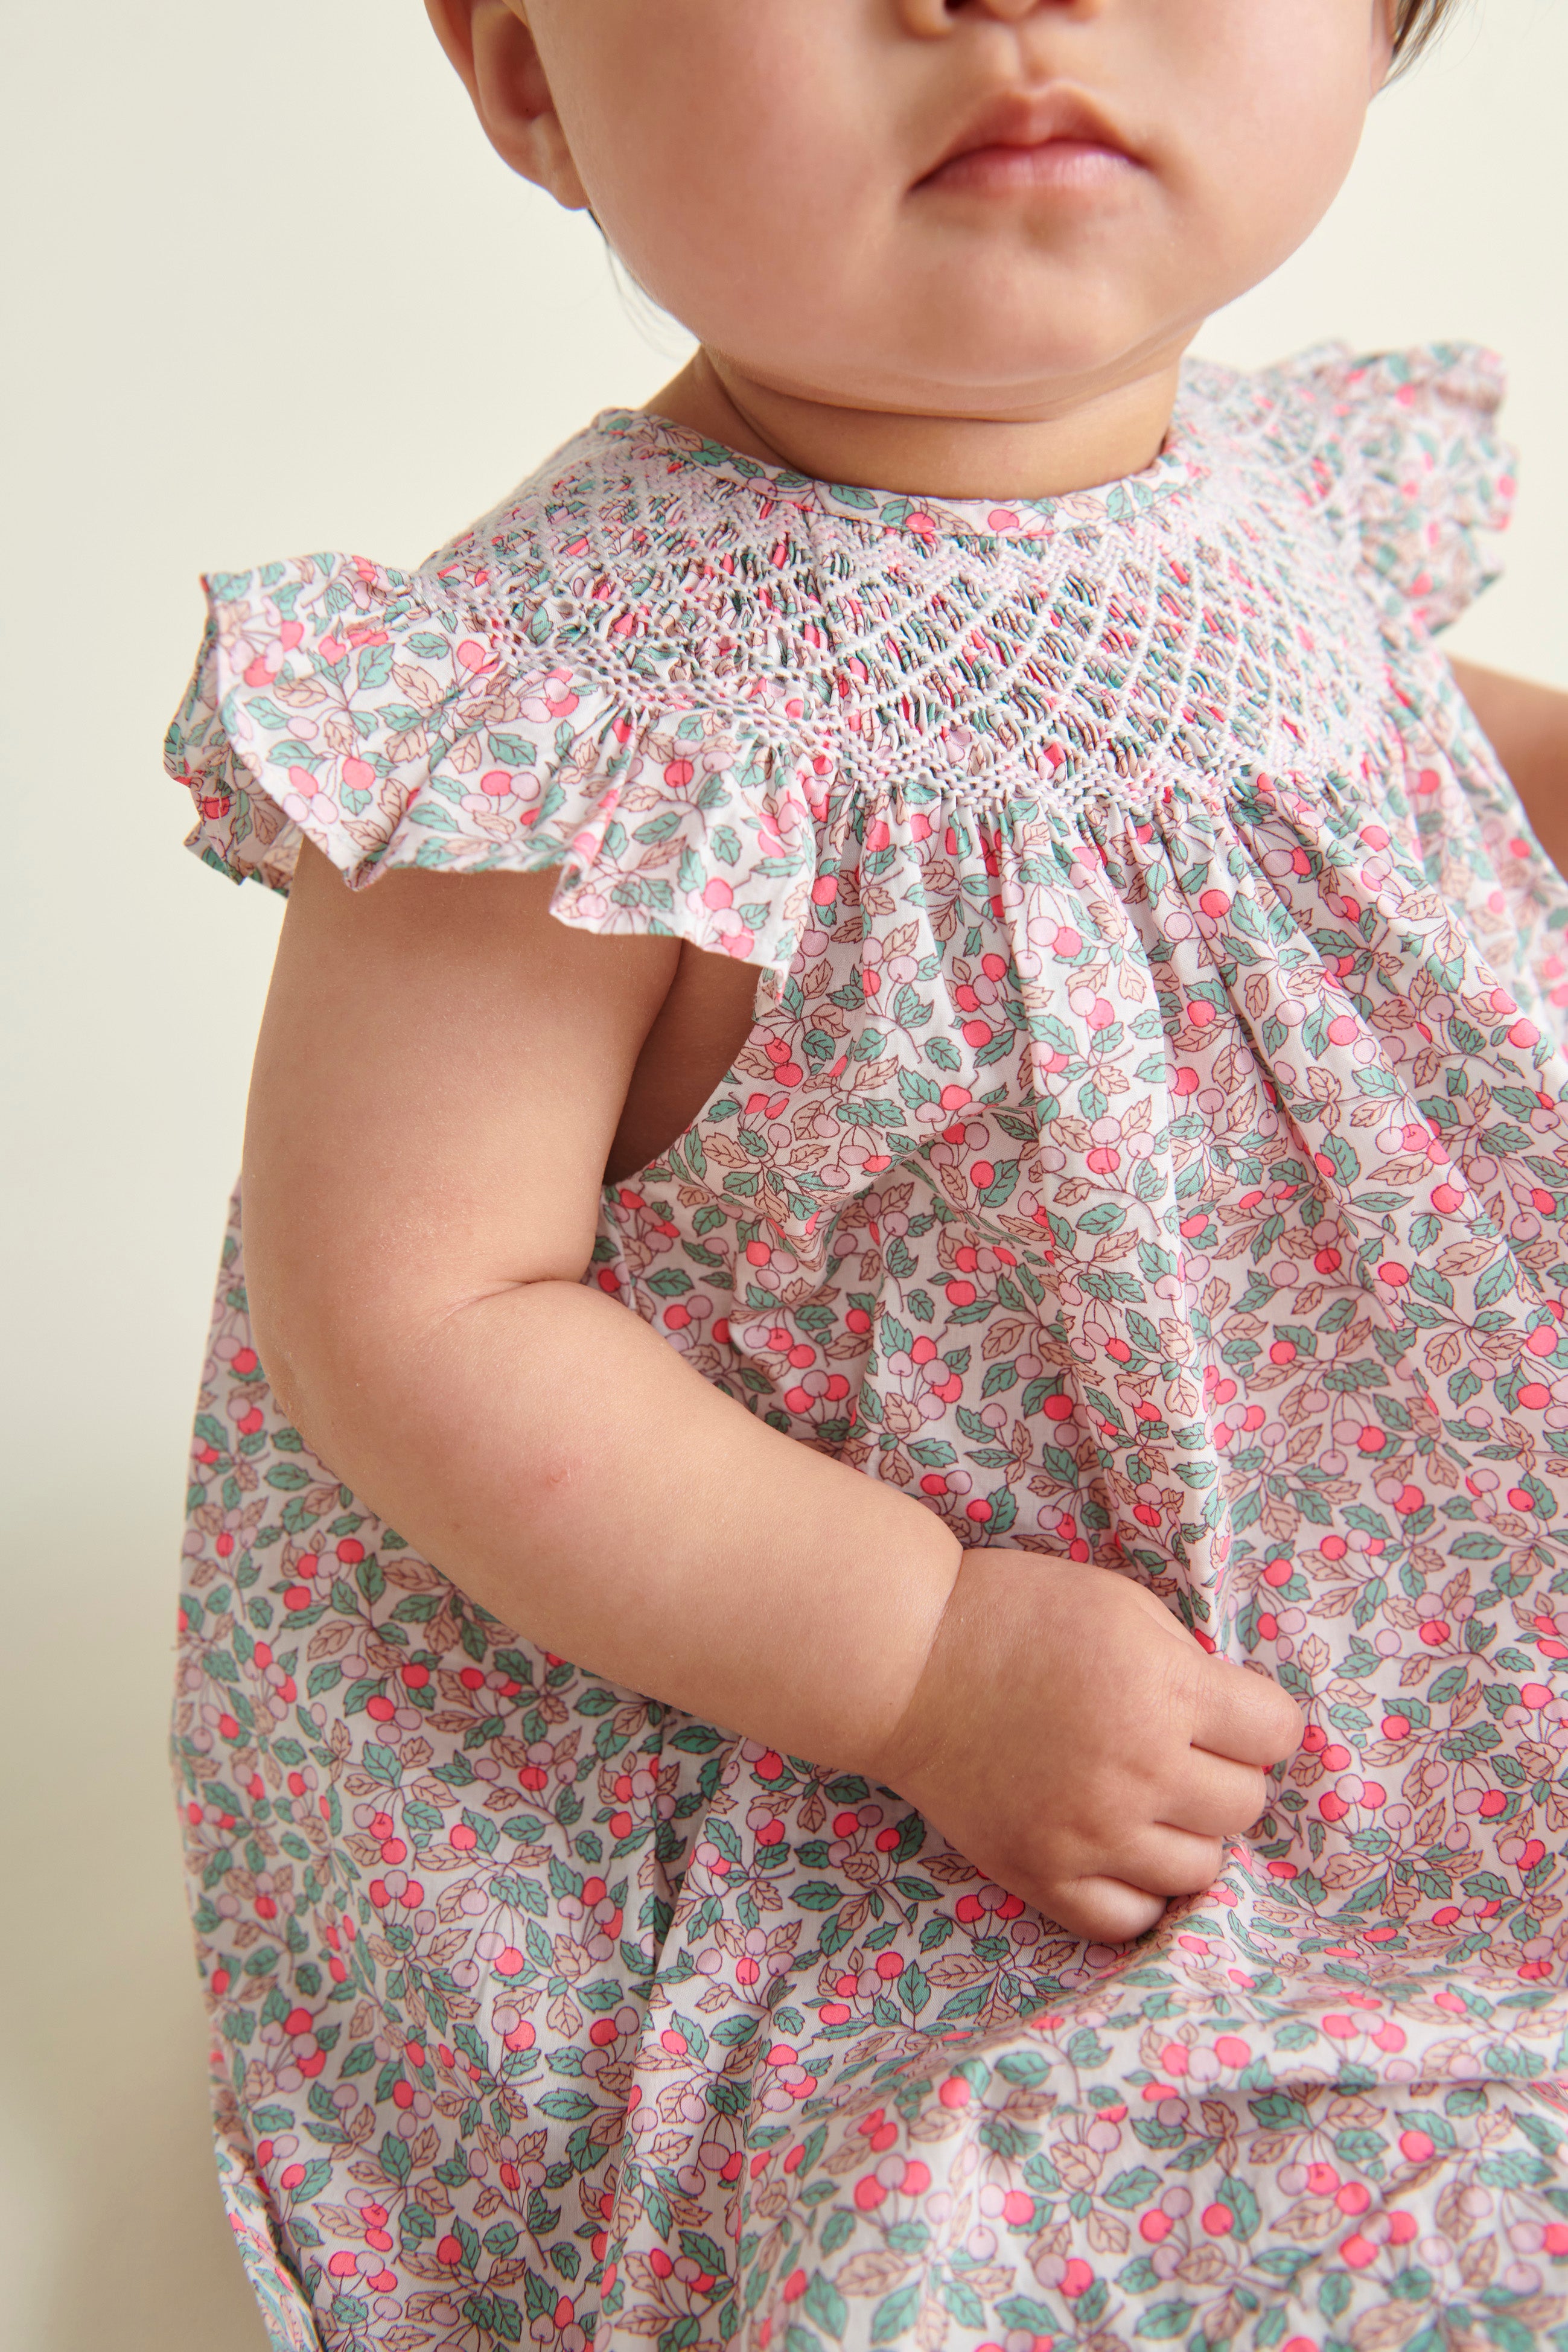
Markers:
1151,1148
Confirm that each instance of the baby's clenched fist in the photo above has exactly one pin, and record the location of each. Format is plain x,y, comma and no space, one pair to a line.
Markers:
1070,1738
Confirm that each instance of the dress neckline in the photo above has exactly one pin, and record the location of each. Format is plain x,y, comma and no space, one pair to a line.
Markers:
658,443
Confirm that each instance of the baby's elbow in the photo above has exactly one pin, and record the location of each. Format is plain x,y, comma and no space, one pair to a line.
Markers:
294,1363
357,1359
323,1335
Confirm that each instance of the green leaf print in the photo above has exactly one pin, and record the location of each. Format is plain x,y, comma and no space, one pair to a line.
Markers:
894,2315
1129,2190
1165,2320
826,2305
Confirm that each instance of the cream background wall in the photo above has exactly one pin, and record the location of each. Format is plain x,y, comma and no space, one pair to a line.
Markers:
268,292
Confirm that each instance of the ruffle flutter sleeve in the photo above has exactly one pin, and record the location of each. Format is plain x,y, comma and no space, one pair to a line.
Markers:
395,719
1410,439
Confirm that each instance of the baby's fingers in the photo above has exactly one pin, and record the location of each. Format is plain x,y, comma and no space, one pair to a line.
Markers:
1171,1862
1102,1910
1215,1798
1244,1717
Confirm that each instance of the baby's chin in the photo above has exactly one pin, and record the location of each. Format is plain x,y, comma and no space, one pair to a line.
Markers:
960,330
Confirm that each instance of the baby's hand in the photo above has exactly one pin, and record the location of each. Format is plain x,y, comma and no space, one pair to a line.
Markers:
1074,1742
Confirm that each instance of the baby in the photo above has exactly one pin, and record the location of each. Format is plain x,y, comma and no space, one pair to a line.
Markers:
929,1186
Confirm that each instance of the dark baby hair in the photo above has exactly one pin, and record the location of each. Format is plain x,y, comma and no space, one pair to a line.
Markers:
1417,23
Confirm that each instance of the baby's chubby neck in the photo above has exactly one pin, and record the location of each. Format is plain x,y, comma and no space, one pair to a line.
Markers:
1078,438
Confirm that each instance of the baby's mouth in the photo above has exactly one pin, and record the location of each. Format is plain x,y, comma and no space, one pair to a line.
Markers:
1056,139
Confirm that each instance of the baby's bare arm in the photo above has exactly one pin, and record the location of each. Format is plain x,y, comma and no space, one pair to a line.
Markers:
1526,725
439,1080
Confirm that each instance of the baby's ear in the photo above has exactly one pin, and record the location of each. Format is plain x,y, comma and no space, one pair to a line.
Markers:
490,44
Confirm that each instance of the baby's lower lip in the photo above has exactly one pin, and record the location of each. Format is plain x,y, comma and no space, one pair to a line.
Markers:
1064,165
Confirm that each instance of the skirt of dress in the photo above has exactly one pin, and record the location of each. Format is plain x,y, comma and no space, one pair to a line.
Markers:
544,2013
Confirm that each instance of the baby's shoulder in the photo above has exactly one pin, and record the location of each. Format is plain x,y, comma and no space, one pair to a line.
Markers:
629,508
556,689
521,542
1397,451
1343,418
